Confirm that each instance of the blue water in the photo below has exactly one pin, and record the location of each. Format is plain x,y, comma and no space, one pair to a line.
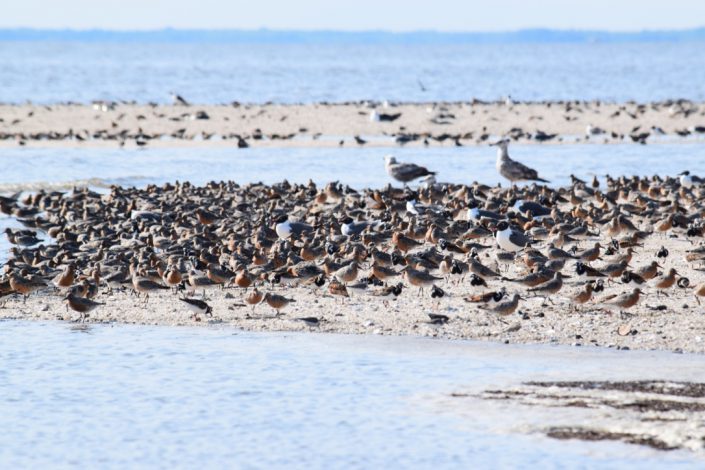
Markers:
48,72
139,397
359,167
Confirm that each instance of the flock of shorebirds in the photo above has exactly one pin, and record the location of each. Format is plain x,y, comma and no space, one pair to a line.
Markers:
502,245
116,122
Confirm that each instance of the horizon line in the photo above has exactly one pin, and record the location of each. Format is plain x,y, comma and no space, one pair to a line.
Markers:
536,34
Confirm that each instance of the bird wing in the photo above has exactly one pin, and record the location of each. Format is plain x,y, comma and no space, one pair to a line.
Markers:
408,171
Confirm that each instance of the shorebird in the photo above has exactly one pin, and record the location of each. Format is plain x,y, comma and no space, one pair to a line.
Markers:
419,278
276,301
624,301
404,172
144,285
665,281
80,304
485,297
504,307
481,270
438,319
649,271
66,278
583,295
309,321
172,277
25,286
549,288
588,272
510,239
197,306
347,273
511,169
253,298
22,237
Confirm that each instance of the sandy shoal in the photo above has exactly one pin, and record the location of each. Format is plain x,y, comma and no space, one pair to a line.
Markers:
674,322
329,124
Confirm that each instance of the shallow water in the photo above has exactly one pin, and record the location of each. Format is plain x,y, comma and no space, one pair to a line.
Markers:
354,166
123,396
46,72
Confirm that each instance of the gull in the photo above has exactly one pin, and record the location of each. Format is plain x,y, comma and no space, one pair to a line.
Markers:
475,213
351,228
688,181
510,239
404,172
285,228
511,169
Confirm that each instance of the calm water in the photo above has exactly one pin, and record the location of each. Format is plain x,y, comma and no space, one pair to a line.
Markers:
48,72
136,397
358,167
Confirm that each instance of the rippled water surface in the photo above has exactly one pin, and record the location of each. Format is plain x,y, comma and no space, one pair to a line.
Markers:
135,397
48,72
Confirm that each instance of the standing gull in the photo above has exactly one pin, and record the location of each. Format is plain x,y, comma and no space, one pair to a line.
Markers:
511,169
404,172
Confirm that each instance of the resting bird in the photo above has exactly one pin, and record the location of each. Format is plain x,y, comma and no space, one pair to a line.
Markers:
404,172
511,169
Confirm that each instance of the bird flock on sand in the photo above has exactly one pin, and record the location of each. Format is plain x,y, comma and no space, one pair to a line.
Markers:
593,246
461,123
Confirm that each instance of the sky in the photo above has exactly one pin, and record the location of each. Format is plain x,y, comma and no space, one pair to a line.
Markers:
347,15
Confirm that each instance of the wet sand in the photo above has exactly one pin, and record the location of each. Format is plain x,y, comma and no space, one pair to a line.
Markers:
472,123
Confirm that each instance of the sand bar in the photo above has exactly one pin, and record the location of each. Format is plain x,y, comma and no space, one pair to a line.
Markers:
114,124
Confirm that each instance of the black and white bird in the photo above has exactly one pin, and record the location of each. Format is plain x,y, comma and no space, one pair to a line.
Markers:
197,306
285,228
179,100
512,169
536,210
511,239
688,181
383,117
475,213
404,172
350,228
591,130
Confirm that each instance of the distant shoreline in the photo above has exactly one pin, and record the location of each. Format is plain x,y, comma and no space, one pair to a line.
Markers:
268,36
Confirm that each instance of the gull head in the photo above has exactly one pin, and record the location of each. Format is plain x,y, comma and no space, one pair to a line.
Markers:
502,143
389,159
